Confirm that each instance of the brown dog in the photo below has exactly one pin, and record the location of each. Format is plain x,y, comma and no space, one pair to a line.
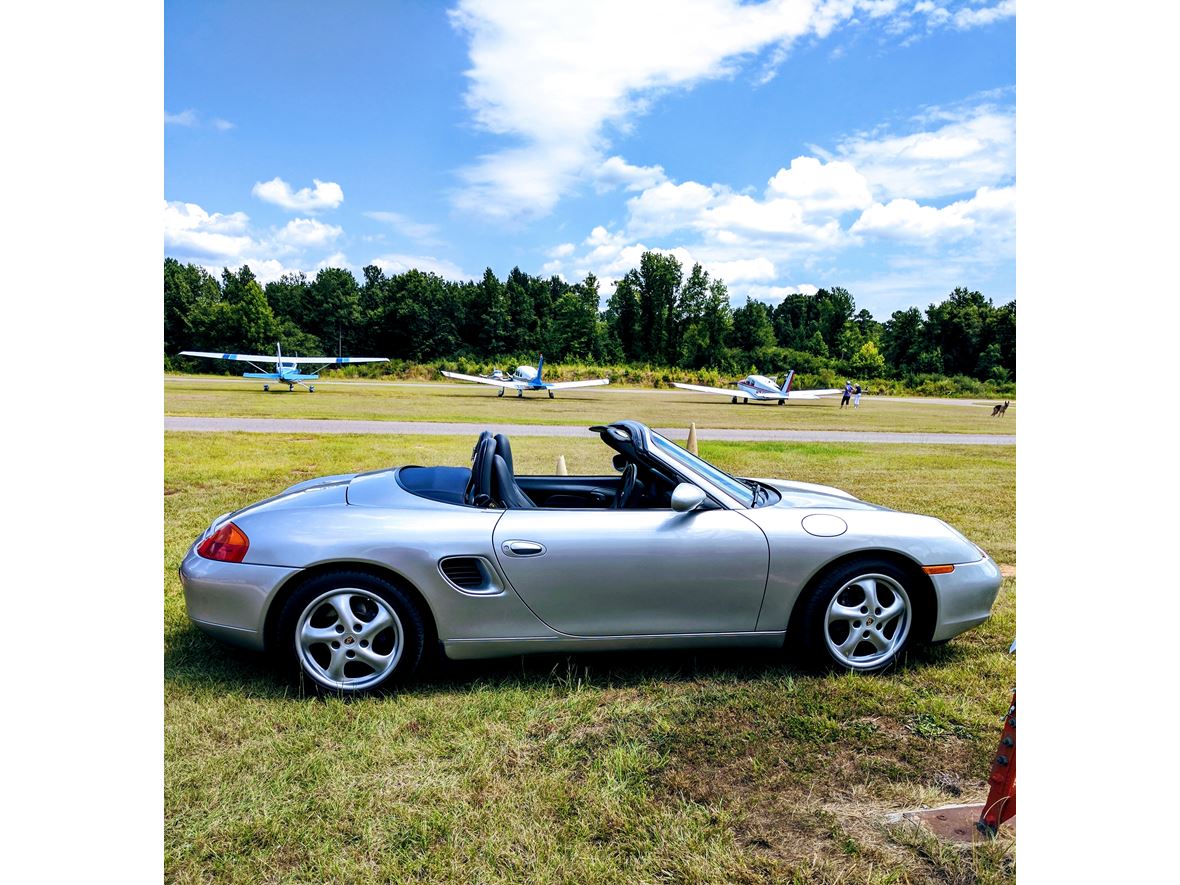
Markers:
1000,410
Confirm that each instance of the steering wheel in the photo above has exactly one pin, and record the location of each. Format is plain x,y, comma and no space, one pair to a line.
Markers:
626,485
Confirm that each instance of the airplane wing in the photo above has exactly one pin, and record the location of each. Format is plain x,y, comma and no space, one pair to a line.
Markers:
287,360
514,385
566,385
336,360
244,357
733,391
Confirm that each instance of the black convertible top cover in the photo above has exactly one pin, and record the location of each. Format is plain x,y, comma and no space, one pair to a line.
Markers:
445,484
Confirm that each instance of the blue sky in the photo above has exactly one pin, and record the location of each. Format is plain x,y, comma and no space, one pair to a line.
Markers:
785,145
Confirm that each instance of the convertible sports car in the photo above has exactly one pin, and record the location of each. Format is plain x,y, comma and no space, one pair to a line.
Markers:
353,578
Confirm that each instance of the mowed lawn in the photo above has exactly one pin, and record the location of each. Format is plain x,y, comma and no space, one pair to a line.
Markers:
659,767
457,402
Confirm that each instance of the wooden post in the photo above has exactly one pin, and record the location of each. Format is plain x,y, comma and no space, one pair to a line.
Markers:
561,468
691,445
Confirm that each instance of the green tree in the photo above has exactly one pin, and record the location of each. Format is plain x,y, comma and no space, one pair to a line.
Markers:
867,362
903,338
331,309
622,317
752,327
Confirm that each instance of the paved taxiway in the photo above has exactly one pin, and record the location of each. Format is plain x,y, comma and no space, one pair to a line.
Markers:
431,428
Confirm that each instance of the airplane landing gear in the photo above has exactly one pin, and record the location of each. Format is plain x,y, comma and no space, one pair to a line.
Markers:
734,400
290,387
520,394
781,401
501,393
746,400
551,394
266,387
311,389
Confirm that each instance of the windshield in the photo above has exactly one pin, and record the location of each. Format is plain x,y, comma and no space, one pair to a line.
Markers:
735,488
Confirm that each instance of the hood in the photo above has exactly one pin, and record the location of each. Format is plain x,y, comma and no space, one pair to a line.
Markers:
814,496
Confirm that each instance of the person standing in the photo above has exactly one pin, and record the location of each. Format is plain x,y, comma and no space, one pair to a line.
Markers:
856,397
847,394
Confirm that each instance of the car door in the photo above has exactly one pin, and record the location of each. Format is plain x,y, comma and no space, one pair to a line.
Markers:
635,572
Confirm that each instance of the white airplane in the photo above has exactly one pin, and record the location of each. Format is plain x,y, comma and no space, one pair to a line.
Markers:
525,378
759,387
287,367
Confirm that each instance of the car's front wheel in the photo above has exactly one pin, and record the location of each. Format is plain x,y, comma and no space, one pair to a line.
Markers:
860,616
351,632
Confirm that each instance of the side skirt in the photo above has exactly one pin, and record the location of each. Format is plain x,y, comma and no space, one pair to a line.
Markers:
470,649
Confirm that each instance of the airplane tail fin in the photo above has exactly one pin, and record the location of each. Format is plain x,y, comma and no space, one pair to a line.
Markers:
540,367
786,388
279,354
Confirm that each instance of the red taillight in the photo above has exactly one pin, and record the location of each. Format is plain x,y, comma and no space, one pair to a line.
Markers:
228,544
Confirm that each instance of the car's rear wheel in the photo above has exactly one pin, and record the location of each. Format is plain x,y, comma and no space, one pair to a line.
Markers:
860,616
351,632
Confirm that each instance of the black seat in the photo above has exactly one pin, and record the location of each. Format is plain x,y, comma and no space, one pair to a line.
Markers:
504,450
479,487
626,485
504,487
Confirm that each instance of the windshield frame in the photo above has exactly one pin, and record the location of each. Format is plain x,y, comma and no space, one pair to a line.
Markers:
730,486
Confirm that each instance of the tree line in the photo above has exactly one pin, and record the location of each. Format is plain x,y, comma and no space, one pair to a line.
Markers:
655,315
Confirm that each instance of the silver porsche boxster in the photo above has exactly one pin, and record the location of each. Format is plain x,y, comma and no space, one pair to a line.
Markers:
353,579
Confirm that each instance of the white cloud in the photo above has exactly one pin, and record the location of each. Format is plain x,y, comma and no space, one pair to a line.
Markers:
991,212
561,250
555,76
325,195
192,120
424,233
967,17
822,188
191,230
717,212
976,148
615,172
308,232
216,240
741,269
394,264
184,118
336,259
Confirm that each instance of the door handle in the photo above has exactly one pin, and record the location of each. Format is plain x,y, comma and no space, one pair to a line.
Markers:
522,548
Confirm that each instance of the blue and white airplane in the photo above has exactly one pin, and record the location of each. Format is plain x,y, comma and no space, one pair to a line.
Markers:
525,378
759,387
287,368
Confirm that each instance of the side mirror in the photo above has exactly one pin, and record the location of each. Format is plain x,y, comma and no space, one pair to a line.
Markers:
686,497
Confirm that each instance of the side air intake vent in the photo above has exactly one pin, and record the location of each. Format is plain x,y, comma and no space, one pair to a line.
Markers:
469,574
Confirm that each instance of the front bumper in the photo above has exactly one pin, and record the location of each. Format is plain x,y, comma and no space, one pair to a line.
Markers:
965,597
229,600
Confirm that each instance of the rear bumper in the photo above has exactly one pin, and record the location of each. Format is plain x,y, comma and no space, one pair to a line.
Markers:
965,597
230,600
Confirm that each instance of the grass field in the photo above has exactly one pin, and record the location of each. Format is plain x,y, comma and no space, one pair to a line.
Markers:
468,403
669,767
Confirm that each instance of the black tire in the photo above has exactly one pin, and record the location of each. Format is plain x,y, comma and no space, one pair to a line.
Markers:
815,637
308,664
551,394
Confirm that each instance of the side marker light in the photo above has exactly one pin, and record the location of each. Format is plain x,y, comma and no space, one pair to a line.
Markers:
938,569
